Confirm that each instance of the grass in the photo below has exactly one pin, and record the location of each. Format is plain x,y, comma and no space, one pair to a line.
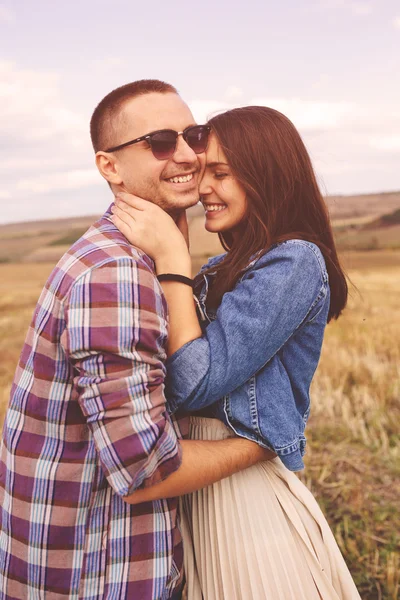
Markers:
20,287
353,458
354,238
353,464
69,238
381,233
392,218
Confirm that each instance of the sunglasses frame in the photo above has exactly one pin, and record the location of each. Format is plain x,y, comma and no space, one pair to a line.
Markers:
148,137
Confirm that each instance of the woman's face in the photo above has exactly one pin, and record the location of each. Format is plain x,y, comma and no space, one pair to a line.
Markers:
223,198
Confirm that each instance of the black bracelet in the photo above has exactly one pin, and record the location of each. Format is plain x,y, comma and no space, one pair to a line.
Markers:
176,277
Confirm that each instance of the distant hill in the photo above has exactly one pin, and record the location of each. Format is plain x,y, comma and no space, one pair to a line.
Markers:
362,206
382,232
387,220
368,221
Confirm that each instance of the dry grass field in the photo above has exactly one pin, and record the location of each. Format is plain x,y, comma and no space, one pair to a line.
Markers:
353,463
353,458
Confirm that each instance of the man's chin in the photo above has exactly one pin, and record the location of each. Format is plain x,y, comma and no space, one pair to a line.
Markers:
181,203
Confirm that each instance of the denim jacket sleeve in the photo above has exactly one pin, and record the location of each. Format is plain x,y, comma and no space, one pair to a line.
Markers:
252,324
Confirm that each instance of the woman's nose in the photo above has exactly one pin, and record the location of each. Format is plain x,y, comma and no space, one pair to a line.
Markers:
205,187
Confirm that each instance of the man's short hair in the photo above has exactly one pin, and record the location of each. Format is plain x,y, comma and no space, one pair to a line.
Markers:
102,123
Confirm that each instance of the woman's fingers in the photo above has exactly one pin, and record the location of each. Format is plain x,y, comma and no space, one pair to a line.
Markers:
124,228
126,208
126,214
132,201
125,223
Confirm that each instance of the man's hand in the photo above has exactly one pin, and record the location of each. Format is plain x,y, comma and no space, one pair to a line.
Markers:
204,463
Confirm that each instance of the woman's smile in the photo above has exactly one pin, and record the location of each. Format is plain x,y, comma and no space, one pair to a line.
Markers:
213,210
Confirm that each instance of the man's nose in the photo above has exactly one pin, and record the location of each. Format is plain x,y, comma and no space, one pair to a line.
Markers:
183,152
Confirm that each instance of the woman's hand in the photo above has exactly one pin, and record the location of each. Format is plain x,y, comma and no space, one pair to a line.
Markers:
150,228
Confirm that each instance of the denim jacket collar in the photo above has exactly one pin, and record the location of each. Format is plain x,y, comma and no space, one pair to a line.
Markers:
203,284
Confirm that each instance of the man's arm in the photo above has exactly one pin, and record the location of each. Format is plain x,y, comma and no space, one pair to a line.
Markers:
204,463
113,334
115,329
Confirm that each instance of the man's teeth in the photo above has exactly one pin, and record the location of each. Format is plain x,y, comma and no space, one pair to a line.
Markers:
214,207
181,179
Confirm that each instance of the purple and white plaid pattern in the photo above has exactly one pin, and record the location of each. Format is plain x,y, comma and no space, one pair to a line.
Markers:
87,425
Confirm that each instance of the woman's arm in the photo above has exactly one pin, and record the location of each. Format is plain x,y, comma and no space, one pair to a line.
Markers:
252,324
183,322
168,247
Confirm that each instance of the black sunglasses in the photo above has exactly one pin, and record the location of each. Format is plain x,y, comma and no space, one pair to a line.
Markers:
163,142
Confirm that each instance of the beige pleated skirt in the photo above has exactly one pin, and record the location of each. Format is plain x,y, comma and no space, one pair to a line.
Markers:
257,535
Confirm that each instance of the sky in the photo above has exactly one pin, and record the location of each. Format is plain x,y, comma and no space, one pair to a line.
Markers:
332,66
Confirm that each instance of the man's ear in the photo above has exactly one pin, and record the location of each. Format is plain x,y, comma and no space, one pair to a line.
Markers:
106,165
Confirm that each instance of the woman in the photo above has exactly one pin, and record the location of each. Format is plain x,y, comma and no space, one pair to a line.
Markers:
263,307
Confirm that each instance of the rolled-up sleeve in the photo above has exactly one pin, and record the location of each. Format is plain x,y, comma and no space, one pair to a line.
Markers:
116,329
252,323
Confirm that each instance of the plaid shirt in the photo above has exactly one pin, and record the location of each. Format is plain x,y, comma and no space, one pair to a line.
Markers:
86,426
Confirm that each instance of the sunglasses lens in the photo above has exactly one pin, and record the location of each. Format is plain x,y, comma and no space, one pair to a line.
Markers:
163,144
197,138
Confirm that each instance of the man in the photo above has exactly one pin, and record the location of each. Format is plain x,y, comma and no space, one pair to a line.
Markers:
87,423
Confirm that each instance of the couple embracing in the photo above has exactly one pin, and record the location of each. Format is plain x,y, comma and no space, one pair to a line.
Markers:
155,421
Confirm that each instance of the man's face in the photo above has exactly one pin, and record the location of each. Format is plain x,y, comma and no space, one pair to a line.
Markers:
139,171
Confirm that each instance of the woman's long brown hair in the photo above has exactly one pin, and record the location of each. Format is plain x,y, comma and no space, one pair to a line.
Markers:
269,159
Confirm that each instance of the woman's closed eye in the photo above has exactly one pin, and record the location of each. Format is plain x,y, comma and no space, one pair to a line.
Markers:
220,175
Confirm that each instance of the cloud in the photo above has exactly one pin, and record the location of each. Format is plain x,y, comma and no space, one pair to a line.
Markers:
233,92
30,163
386,143
6,15
307,114
361,8
356,7
204,109
90,200
5,195
109,63
396,22
45,144
69,180
32,107
319,118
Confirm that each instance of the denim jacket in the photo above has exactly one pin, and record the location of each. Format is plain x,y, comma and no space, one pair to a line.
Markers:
258,353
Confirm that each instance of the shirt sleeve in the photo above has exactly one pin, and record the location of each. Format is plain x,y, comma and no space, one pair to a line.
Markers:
114,338
252,324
